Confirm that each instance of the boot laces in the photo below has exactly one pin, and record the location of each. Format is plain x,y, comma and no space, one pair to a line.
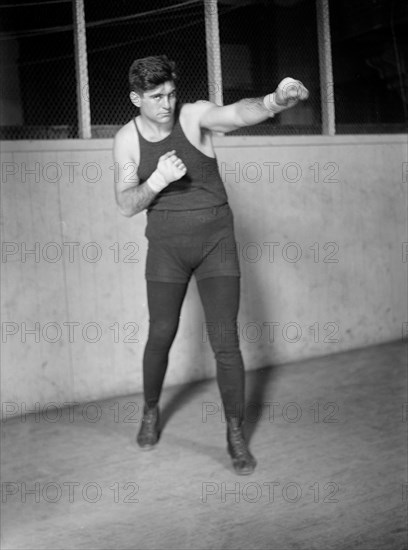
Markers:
237,442
150,417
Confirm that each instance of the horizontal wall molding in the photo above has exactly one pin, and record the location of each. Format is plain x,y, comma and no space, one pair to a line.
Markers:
219,141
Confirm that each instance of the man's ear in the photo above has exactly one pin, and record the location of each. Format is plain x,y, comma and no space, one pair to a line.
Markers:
135,99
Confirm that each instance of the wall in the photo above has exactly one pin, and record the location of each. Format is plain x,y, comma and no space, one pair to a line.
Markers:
320,224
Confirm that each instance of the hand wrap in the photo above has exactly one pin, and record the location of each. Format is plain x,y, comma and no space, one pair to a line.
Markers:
156,182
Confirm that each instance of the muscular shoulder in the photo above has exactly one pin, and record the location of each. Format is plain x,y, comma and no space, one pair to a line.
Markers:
194,111
126,142
190,120
126,133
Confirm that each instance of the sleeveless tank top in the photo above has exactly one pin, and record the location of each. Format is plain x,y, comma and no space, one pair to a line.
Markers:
200,187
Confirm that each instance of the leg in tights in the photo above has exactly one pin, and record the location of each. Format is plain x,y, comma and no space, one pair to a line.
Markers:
164,302
220,299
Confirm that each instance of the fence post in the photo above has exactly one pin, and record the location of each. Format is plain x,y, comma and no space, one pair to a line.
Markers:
213,52
325,67
81,67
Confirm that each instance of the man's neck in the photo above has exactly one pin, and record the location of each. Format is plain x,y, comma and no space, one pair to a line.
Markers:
152,131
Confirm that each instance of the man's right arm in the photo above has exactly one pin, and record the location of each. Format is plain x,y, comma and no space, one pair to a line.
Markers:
132,196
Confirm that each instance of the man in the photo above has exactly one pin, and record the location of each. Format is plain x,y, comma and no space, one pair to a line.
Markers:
189,224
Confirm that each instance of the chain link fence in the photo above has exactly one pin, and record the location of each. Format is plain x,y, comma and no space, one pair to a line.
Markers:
176,29
370,61
38,87
261,41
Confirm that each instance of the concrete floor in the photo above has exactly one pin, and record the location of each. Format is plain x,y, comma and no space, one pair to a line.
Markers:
329,434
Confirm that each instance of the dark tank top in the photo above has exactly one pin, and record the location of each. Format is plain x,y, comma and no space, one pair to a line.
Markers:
200,187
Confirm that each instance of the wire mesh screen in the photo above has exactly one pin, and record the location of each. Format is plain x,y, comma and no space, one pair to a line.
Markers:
129,31
262,42
370,62
37,70
38,96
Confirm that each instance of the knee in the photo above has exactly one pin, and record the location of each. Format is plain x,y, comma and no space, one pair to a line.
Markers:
223,337
162,332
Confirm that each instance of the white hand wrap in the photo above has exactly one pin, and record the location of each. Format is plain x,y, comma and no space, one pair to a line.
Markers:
156,182
271,105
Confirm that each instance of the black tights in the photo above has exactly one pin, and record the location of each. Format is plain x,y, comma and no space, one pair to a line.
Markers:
220,299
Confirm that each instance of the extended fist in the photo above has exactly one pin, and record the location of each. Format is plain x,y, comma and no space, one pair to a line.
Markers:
169,168
286,95
290,91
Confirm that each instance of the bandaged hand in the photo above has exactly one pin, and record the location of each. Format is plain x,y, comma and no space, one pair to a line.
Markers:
169,168
287,94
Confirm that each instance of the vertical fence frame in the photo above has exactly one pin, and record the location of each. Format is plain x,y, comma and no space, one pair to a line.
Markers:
212,35
214,70
325,68
81,69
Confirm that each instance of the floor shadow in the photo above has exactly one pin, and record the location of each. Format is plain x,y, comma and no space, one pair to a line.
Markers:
217,451
257,300
259,384
180,396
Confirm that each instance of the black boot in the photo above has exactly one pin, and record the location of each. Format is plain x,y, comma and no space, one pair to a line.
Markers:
149,431
244,463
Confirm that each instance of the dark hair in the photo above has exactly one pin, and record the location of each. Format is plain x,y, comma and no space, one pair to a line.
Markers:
149,72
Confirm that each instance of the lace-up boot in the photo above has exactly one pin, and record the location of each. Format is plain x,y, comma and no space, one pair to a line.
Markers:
244,463
149,431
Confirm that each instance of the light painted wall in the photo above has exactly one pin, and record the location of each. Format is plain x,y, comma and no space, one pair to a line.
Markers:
320,224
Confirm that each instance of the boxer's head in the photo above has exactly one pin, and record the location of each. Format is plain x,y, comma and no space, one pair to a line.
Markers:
153,88
149,72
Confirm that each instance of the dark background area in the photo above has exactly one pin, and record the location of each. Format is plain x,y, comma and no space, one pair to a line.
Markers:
262,41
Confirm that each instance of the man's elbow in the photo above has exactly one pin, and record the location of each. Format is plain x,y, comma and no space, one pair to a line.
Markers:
127,212
124,207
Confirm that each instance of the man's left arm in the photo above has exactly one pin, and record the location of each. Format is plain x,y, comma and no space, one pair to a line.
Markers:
248,112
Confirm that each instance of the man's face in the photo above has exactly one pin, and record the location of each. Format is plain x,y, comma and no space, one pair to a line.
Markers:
158,104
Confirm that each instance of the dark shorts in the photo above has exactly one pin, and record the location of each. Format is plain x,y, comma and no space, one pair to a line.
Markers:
199,242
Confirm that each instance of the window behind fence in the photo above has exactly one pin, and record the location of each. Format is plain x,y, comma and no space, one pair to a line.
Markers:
261,42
